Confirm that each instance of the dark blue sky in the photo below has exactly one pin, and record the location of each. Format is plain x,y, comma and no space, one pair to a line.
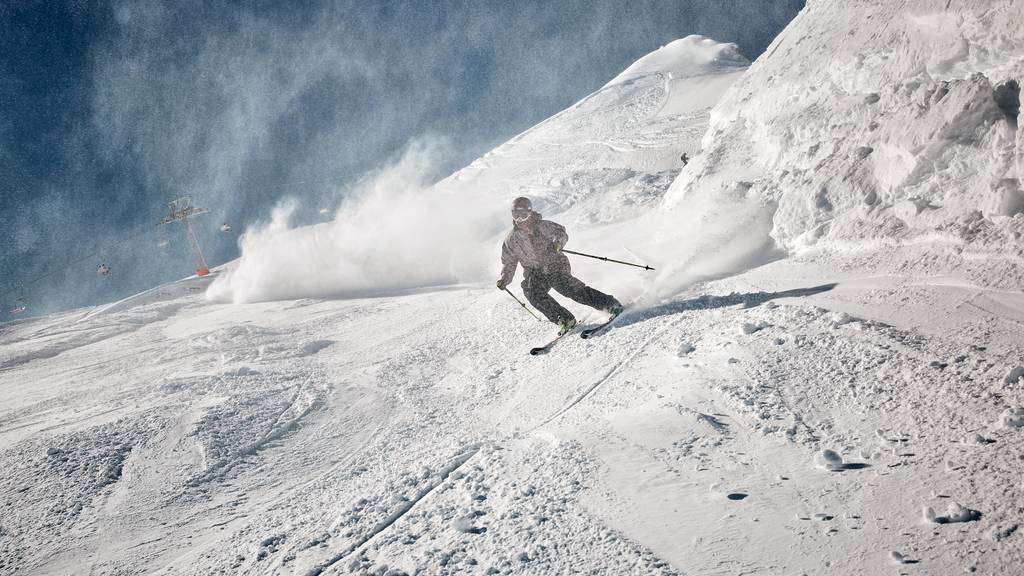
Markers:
109,109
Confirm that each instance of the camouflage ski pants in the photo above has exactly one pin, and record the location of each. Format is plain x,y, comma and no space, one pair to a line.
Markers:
539,281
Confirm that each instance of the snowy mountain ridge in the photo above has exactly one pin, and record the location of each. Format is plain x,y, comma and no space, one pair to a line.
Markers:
687,57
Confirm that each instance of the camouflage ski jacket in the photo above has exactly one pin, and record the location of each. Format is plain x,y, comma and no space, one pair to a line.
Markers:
536,250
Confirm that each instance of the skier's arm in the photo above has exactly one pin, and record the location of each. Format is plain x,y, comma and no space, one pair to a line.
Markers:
555,233
508,265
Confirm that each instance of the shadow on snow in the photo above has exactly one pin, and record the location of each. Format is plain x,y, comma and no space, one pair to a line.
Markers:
709,302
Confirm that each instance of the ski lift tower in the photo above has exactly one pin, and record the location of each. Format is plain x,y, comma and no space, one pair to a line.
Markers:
181,211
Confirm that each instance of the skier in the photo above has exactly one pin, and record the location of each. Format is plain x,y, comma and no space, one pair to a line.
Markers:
537,245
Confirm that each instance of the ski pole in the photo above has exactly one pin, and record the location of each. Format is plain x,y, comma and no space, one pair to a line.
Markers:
644,266
521,303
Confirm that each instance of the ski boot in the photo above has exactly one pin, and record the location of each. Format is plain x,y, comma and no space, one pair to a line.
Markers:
566,325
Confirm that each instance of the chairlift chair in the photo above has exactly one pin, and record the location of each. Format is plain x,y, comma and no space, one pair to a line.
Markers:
20,306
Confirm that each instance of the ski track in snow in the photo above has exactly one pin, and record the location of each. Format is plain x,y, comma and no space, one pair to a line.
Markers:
404,509
614,370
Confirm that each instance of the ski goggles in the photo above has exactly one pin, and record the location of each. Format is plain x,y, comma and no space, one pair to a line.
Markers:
520,214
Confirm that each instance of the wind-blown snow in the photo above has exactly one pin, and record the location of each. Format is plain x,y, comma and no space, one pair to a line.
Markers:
393,232
604,162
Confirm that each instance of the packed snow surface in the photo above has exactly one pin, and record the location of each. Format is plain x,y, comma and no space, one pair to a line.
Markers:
823,375
174,435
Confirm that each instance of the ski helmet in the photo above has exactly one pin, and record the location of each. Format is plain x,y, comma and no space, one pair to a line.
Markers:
521,209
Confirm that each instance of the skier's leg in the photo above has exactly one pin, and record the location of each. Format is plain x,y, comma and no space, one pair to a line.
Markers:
536,286
571,287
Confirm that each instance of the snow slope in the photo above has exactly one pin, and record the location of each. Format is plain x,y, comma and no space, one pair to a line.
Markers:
340,436
604,161
854,407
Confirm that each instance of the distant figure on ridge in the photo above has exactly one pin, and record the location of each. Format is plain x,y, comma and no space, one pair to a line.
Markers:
685,159
537,245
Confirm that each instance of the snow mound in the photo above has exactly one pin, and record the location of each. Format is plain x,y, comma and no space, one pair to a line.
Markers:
955,513
693,55
748,328
830,460
1014,375
898,558
904,133
1012,418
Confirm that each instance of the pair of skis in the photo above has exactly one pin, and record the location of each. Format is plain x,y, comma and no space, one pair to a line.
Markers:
583,332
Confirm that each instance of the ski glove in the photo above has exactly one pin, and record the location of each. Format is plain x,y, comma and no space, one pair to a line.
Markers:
501,284
556,246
